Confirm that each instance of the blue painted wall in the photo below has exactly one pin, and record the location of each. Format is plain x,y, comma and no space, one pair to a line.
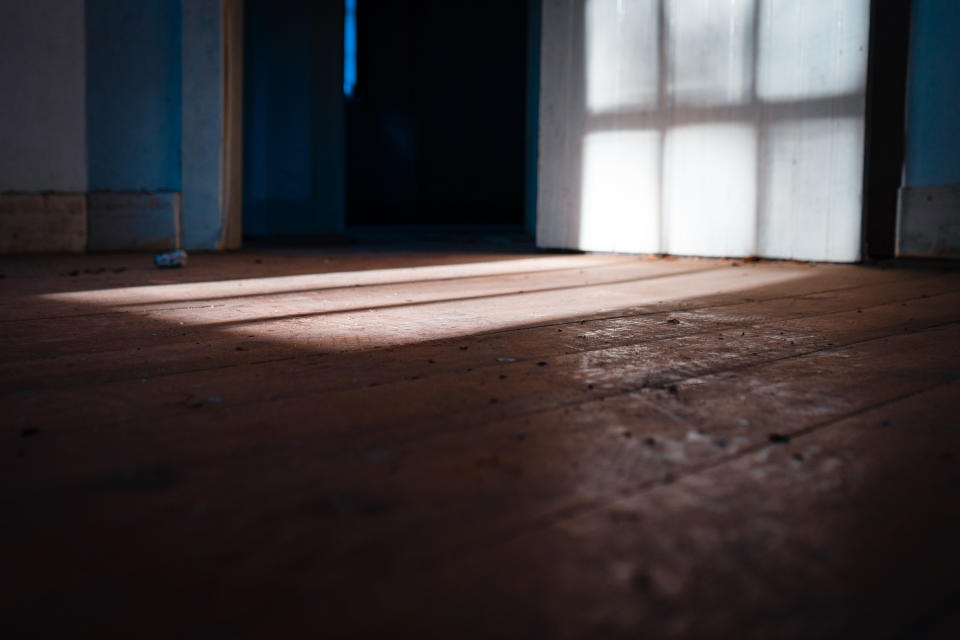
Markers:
933,95
133,94
294,178
202,129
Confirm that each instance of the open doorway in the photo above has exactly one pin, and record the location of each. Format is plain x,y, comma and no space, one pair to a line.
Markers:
293,134
360,114
436,118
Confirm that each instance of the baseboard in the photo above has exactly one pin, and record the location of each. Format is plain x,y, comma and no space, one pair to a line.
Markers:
928,222
43,222
133,221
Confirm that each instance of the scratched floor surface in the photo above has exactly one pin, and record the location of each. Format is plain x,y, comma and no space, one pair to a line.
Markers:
394,443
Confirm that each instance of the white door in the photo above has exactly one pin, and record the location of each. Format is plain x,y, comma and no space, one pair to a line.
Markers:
703,127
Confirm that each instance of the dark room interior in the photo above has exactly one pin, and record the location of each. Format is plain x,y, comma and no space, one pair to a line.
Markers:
506,319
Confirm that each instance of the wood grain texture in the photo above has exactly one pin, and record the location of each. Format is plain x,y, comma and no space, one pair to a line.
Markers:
356,444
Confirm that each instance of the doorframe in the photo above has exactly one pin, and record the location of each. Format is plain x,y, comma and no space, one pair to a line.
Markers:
884,149
231,165
532,141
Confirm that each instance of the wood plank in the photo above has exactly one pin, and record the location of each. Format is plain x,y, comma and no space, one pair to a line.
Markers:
787,394
843,532
147,345
352,507
627,487
706,339
31,275
101,291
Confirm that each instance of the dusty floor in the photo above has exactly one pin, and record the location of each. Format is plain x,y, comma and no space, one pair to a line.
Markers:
427,444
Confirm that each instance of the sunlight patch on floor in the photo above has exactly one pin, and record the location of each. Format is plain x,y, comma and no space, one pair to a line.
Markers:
367,309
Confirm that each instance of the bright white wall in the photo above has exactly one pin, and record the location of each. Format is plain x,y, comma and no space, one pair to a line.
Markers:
699,127
42,112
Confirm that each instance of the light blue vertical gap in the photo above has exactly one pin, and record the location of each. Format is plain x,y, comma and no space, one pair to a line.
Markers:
349,47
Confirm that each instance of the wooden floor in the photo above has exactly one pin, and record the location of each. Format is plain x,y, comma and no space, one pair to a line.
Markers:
359,443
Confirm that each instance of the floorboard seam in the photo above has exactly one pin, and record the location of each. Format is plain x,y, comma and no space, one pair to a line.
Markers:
573,512
312,356
361,286
706,307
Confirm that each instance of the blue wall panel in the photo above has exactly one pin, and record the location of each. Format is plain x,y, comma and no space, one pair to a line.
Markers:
933,97
133,94
294,178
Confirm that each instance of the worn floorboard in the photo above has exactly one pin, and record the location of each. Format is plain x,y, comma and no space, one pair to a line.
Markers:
357,442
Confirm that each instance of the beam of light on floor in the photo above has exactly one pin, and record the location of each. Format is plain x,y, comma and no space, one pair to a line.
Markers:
166,293
411,308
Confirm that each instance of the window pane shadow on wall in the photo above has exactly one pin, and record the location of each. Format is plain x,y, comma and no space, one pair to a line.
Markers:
715,129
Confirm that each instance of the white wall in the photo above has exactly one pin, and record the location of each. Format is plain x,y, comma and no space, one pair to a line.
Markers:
42,96
697,127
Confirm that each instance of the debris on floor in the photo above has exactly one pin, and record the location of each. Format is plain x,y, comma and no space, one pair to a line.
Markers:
171,260
194,403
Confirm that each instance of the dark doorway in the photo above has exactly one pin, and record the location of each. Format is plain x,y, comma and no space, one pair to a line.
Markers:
293,137
436,120
885,125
